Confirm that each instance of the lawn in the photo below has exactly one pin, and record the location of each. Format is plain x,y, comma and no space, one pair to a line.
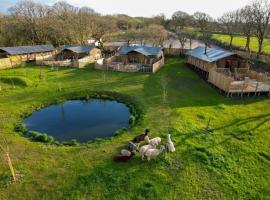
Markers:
241,41
230,162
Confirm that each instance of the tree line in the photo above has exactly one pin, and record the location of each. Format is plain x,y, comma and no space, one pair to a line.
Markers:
29,23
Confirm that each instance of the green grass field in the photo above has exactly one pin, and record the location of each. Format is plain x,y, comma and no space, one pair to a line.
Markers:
231,162
241,41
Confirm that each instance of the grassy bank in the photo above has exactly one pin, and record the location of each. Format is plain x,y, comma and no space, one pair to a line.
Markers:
230,161
241,41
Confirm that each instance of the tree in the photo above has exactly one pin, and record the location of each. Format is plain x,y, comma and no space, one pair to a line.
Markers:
206,38
180,20
229,23
100,26
247,24
182,39
202,20
261,15
30,17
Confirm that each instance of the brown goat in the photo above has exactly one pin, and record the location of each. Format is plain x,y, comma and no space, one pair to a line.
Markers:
141,137
121,158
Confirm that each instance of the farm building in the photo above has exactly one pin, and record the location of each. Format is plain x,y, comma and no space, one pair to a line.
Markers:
228,71
12,56
74,56
134,59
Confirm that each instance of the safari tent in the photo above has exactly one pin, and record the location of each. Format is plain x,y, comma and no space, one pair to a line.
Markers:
135,59
12,56
78,52
228,71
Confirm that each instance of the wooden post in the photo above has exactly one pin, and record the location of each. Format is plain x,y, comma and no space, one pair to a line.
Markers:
257,84
11,167
243,86
6,152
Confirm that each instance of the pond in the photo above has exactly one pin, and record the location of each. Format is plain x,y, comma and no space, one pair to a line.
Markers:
80,120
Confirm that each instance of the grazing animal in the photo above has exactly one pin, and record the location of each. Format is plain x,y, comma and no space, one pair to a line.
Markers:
144,148
153,153
122,158
169,144
132,146
141,137
154,142
125,152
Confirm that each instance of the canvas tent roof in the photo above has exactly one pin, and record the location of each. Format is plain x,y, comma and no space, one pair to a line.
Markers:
212,54
147,51
27,49
80,49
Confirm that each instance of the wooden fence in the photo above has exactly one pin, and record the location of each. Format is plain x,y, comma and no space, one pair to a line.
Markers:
123,68
253,82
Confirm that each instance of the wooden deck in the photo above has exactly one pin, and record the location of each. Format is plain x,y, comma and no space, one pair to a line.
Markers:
240,83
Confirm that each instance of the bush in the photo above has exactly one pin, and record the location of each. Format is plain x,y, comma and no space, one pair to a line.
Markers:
132,120
40,137
21,128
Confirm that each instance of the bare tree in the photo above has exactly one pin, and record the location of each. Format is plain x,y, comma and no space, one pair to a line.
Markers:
31,16
180,20
202,20
247,24
206,38
164,84
261,15
182,39
229,23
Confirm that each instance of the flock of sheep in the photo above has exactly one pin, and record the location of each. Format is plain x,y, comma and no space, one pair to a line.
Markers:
149,150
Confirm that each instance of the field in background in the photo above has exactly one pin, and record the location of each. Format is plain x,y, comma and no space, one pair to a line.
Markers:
229,159
241,41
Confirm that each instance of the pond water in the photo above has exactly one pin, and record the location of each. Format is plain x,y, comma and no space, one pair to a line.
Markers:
80,120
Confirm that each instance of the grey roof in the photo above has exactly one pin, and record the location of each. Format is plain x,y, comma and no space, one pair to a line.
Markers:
212,54
147,51
80,49
27,49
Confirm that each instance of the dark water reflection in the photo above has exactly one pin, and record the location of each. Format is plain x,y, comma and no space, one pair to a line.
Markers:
80,120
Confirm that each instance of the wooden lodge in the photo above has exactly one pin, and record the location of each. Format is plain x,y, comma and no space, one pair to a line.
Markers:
228,71
74,56
134,59
12,56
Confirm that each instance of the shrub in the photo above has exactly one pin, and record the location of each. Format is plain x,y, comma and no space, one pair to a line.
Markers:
21,128
40,137
132,120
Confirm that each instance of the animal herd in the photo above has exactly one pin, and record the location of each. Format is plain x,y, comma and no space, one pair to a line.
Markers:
150,150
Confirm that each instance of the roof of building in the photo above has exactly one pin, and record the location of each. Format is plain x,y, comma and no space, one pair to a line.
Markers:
27,49
147,51
80,49
212,54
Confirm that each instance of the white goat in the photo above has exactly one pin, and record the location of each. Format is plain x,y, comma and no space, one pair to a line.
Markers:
153,153
169,144
144,148
125,152
154,142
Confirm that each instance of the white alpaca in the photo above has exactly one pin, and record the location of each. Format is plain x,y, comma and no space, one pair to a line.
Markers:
125,152
153,153
154,142
144,148
169,144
